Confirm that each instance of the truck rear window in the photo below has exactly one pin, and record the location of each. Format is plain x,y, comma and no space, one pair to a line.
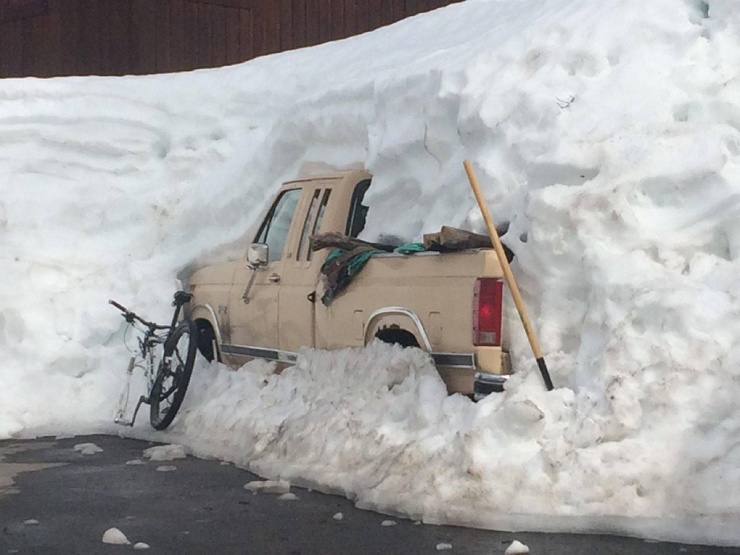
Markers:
357,210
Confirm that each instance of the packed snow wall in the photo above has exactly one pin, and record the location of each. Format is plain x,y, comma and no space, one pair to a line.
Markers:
607,134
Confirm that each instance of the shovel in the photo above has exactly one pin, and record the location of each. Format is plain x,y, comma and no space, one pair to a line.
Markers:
508,276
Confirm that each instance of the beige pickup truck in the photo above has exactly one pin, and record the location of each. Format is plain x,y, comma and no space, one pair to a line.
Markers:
267,304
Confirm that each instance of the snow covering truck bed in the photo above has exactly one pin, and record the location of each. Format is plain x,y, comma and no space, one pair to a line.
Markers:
267,304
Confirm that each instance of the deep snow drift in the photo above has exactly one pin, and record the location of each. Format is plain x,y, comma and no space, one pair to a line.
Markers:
607,133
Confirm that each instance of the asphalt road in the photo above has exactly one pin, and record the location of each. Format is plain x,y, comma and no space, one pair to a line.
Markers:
55,500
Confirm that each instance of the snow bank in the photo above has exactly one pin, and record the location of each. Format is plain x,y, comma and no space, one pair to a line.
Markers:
377,426
607,134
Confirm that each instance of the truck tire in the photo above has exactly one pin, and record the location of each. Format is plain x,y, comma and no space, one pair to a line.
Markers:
397,336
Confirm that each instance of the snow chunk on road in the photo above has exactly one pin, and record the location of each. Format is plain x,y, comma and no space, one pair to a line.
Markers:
288,497
268,486
165,452
389,523
166,468
135,462
338,516
31,522
516,548
141,545
87,448
444,546
114,536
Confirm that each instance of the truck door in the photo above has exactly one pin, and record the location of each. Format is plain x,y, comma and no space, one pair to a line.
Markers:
297,299
254,296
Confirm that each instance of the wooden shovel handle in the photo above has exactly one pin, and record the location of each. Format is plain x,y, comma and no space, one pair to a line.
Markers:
508,275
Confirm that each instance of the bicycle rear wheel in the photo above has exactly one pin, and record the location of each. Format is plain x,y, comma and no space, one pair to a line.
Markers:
173,375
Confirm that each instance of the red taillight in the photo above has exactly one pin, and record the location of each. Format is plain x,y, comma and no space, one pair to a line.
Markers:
487,304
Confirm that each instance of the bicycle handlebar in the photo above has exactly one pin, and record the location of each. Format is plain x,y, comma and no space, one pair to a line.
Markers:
119,306
130,316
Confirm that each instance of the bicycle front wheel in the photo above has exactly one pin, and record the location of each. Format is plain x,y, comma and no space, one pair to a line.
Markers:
173,375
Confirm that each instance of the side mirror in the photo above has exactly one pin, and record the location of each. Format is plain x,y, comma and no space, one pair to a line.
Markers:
258,255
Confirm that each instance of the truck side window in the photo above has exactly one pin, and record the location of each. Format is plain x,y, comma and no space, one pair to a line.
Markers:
274,230
357,210
303,244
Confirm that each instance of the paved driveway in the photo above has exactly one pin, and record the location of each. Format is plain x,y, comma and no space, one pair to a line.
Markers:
55,500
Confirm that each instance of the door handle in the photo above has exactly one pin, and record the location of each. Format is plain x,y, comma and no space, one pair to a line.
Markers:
274,278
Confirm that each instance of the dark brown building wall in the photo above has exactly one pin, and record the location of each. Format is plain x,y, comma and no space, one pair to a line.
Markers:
46,38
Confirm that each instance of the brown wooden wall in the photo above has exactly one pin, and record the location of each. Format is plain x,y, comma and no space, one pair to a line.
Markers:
116,37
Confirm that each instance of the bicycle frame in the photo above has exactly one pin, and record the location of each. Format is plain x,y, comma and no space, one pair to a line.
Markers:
145,357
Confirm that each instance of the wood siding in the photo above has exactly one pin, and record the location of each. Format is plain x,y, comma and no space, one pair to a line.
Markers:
46,38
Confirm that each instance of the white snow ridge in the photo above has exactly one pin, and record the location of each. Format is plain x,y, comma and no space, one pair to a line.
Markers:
605,133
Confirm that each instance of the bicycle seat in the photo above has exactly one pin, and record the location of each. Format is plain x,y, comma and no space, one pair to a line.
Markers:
181,298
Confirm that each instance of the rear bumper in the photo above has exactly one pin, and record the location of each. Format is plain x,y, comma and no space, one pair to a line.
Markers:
485,384
477,374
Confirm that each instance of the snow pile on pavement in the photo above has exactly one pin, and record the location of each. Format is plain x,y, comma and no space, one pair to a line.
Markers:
606,133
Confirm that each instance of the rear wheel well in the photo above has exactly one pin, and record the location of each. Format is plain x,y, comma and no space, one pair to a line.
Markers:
397,335
206,340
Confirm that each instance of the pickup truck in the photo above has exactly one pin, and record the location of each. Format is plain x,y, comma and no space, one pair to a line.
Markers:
267,303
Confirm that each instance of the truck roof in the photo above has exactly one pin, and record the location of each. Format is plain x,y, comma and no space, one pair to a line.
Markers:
345,175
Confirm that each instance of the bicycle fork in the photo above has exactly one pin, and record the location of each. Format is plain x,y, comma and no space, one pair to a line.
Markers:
120,415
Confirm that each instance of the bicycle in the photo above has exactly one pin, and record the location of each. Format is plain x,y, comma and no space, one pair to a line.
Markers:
167,385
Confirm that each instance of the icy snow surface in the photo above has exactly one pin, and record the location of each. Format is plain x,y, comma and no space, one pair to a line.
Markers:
608,135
